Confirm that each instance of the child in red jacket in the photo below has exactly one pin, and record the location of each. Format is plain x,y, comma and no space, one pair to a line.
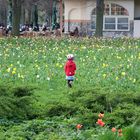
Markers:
70,68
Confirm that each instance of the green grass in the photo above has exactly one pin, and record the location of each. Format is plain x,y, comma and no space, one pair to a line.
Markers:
113,63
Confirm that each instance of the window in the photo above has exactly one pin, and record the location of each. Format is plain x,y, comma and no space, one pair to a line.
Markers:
118,10
106,9
122,24
116,18
93,22
109,23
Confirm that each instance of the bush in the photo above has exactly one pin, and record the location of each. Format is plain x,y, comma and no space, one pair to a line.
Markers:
124,114
121,109
16,103
60,110
22,91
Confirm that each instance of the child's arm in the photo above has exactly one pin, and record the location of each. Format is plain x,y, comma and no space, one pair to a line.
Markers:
75,66
65,67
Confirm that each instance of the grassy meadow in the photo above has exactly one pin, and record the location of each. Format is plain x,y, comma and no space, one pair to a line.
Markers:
36,104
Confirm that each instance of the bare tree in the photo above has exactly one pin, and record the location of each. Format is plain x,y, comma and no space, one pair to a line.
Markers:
16,14
99,18
23,12
28,11
3,12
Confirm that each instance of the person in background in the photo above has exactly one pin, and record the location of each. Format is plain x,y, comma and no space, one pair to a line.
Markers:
70,68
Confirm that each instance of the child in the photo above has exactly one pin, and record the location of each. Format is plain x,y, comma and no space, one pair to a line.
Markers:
70,68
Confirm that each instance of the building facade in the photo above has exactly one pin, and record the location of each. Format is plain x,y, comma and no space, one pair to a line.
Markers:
121,17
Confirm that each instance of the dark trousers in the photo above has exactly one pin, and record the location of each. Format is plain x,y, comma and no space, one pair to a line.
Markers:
70,83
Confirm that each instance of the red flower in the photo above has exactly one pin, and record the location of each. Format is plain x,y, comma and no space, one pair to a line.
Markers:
79,126
113,129
100,122
120,134
101,115
120,130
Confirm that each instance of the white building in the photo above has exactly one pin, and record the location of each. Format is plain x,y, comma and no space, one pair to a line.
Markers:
121,17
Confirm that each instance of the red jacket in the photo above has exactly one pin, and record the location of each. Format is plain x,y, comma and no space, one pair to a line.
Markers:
70,68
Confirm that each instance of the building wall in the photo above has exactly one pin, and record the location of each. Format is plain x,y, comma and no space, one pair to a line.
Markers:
74,14
78,14
136,28
137,9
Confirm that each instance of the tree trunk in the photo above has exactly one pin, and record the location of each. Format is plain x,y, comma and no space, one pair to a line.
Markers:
99,18
22,14
61,16
50,13
35,15
10,13
54,18
28,17
16,14
3,13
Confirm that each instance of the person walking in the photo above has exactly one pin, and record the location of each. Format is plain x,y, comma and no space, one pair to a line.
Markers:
70,68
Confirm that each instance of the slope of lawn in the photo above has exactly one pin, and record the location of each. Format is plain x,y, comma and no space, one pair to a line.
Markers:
35,99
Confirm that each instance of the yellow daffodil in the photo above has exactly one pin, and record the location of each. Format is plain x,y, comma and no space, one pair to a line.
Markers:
60,66
123,73
118,57
104,65
8,70
134,80
104,75
57,64
132,56
13,72
117,78
14,69
19,75
22,76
